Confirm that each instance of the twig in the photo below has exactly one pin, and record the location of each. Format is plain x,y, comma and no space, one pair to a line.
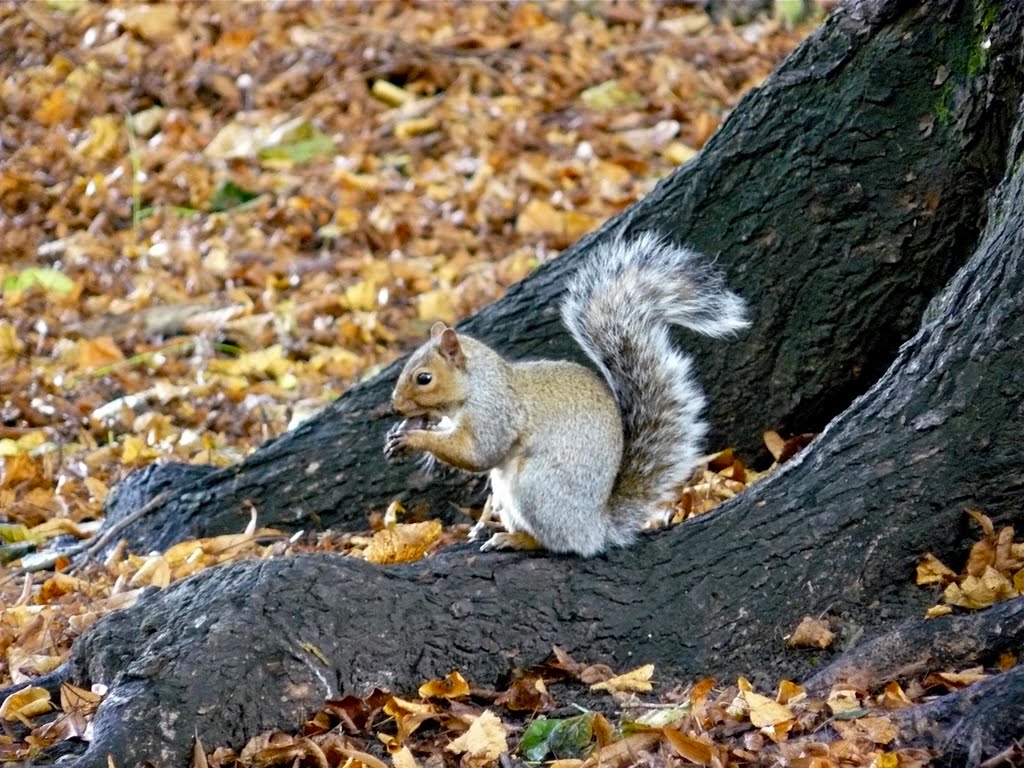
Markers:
1007,756
91,549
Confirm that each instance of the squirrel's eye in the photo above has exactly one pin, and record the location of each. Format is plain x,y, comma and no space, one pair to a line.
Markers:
423,378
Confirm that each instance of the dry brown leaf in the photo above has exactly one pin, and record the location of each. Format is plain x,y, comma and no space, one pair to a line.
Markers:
879,730
789,692
774,443
957,680
894,697
403,543
932,571
811,633
692,749
623,752
453,686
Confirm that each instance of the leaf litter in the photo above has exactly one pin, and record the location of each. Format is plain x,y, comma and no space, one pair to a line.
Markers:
214,218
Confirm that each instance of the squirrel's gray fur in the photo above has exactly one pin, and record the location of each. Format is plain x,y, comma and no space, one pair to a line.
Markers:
619,307
577,461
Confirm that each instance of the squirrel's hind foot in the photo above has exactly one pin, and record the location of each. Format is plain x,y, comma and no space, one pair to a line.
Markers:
519,540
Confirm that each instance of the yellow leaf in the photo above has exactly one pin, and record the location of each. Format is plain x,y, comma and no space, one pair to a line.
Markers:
155,23
438,304
102,138
789,691
10,345
417,126
454,686
482,743
26,703
678,153
154,572
765,712
403,543
893,697
885,760
931,570
983,591
55,107
362,296
843,700
396,706
389,93
637,680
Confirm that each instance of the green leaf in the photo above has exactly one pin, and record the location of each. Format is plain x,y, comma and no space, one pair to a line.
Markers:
11,552
559,738
300,143
230,195
51,280
609,95
11,533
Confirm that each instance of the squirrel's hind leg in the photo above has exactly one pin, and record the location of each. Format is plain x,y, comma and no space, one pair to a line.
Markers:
515,540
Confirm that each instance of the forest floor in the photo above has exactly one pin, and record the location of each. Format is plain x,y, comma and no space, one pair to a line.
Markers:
215,217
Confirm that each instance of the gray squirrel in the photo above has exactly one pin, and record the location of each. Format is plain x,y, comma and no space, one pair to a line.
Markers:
578,461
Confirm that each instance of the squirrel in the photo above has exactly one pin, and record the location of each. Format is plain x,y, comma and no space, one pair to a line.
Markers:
578,461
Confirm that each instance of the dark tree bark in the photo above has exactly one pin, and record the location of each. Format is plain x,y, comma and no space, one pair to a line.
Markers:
838,198
228,653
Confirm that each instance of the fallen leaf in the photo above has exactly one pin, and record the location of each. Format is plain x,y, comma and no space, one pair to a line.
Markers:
453,686
482,743
25,704
811,633
880,730
403,543
764,711
932,571
637,680
688,747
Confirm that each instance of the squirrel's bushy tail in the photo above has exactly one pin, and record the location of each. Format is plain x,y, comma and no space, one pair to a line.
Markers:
619,307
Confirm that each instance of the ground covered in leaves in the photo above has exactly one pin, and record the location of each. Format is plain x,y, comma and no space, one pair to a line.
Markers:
216,217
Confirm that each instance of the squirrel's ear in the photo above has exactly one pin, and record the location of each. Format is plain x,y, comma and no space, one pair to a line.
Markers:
450,347
437,329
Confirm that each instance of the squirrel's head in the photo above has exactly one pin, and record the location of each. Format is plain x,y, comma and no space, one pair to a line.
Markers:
431,383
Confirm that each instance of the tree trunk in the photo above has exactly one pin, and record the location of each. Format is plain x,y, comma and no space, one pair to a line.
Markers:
837,532
838,198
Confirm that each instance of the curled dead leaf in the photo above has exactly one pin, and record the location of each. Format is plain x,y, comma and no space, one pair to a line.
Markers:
403,543
811,633
26,703
637,681
453,686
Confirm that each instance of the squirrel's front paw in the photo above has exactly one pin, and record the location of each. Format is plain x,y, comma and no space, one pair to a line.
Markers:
396,442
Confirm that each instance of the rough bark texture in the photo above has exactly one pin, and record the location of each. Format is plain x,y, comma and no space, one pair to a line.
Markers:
838,198
836,533
230,653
